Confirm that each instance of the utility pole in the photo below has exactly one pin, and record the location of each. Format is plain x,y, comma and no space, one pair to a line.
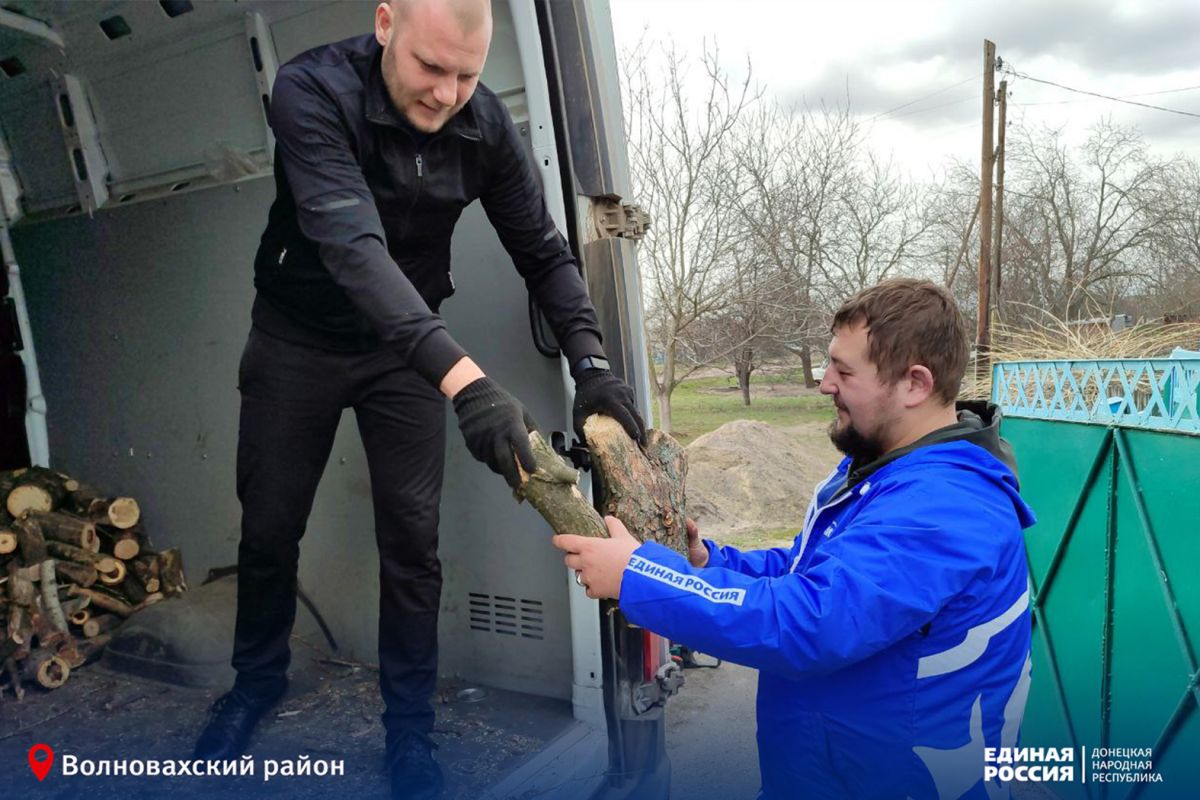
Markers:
998,231
986,163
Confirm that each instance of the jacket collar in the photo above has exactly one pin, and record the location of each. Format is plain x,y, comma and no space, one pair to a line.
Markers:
382,111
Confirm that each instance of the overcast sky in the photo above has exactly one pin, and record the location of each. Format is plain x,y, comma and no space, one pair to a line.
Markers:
888,54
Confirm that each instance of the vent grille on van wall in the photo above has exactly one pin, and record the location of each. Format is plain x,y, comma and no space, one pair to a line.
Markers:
509,616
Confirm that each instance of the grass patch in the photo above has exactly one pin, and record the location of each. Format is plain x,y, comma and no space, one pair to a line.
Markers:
760,540
701,405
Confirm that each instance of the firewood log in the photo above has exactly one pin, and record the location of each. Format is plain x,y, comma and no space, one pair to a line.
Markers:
30,541
20,587
35,489
124,544
45,668
66,552
68,529
170,572
19,631
553,490
102,600
8,541
642,488
146,567
83,574
120,512
79,617
101,624
115,574
49,587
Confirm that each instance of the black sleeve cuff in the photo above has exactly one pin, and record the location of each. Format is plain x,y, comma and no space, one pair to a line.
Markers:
433,356
580,344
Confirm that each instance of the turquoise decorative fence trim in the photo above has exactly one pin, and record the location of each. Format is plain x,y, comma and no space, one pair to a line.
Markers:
1156,394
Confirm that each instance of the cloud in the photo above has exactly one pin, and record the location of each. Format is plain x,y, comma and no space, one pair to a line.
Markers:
919,95
1103,38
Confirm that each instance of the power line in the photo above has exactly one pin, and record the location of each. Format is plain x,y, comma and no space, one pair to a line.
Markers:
1121,97
923,97
1014,73
934,108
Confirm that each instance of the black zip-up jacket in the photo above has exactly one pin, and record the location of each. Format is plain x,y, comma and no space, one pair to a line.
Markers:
357,247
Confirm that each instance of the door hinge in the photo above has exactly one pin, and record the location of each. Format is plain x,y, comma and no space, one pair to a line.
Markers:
616,219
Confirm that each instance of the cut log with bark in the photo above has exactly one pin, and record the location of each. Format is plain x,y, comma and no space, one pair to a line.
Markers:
121,512
553,489
34,489
103,600
643,488
115,574
170,572
8,541
101,624
68,529
146,567
124,544
30,541
49,587
45,668
80,617
69,572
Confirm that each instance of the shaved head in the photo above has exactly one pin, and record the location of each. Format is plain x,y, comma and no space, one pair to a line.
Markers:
433,55
471,15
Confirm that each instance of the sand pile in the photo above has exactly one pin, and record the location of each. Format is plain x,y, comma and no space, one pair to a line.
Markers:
751,476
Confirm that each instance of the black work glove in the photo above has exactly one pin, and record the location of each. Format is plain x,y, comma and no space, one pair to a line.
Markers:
496,428
598,391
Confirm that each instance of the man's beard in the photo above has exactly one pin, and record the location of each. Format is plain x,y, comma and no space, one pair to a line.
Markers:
861,448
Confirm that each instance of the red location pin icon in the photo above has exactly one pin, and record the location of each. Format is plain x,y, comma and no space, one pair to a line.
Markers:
41,758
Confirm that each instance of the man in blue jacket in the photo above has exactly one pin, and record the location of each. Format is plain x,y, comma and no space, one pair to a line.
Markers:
381,142
893,637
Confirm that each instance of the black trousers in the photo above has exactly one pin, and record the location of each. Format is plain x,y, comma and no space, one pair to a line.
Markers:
292,400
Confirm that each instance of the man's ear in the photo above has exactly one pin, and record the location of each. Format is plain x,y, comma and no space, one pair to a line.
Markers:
919,382
383,23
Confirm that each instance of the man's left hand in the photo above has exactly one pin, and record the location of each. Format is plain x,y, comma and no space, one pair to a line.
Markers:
599,564
598,391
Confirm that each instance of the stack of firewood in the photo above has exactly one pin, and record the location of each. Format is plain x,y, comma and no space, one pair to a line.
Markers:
74,565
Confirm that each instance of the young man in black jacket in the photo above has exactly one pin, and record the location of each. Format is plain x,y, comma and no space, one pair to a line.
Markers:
381,142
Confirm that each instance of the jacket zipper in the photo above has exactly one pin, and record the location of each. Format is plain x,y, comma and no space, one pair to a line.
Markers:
416,192
808,529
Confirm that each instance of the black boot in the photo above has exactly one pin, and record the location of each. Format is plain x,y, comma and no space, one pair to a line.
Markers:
415,774
231,721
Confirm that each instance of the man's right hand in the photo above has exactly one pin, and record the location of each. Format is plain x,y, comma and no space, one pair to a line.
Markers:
697,552
496,428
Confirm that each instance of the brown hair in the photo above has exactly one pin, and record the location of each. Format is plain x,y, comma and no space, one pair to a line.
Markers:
910,322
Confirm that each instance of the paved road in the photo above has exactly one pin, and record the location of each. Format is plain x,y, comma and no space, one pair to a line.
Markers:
710,735
710,738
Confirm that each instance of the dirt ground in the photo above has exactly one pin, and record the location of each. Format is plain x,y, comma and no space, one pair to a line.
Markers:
331,712
749,476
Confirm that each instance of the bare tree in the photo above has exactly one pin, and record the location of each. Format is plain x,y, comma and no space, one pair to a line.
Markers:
682,164
793,164
878,231
1078,229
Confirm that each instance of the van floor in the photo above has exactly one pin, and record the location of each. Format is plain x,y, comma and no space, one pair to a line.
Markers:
331,712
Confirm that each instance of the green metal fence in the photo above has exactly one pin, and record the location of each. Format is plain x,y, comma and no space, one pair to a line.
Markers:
1109,458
